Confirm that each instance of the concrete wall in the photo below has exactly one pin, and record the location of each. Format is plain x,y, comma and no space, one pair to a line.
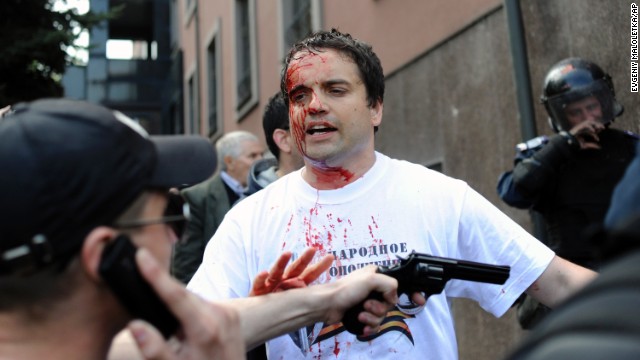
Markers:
456,104
402,30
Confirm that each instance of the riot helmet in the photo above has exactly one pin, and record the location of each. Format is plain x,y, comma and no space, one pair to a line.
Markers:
574,79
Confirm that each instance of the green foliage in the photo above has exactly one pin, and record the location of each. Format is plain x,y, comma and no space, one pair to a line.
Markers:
33,47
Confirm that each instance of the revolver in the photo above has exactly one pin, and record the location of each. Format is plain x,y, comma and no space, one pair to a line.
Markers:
427,274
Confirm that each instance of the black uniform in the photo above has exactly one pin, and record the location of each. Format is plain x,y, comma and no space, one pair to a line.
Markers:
570,187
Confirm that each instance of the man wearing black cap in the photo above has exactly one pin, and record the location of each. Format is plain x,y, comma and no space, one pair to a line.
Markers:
81,183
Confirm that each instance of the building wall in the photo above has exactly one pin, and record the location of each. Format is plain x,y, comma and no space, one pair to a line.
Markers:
400,31
451,95
216,18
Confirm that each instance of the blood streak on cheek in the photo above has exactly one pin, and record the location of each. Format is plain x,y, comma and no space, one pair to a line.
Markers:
296,116
297,127
295,77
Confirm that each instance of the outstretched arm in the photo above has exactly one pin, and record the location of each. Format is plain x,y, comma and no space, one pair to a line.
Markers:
268,316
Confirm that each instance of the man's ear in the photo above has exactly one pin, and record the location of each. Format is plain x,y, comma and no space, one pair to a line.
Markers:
280,138
92,248
227,159
376,113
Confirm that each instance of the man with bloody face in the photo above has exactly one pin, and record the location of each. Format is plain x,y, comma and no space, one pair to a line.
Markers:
366,208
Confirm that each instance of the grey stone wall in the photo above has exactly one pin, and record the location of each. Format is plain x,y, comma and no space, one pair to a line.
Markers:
456,105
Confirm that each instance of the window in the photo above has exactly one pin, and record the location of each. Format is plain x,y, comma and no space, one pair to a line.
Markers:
300,18
297,20
174,98
175,119
192,96
189,9
213,85
173,24
246,67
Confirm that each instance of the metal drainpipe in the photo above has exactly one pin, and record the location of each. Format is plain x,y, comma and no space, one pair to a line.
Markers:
520,69
198,68
523,90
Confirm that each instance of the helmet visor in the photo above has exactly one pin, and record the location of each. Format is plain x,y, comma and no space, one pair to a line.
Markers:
563,106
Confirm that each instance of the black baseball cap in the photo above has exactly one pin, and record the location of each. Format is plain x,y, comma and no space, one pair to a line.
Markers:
68,166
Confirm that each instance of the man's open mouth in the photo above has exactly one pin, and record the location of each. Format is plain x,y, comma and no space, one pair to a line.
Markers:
320,129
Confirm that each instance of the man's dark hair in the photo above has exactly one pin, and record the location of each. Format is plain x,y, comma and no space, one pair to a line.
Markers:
276,116
361,53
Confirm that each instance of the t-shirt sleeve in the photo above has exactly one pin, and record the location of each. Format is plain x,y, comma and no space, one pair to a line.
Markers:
487,235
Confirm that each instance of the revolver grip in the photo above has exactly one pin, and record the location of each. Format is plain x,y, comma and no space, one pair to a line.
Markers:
350,318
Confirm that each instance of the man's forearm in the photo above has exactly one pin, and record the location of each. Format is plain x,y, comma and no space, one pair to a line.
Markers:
561,280
268,316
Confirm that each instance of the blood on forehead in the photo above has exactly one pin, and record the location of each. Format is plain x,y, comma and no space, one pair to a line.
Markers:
301,60
319,61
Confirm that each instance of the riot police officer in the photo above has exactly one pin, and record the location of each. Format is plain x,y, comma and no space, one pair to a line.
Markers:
569,177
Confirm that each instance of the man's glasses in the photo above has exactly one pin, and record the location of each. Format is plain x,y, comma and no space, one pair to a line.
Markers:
175,216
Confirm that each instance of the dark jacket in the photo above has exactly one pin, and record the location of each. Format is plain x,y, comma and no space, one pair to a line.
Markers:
208,202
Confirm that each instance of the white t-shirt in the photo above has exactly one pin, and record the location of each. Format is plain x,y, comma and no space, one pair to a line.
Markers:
395,208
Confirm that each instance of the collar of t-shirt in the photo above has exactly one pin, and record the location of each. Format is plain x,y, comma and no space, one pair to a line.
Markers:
232,183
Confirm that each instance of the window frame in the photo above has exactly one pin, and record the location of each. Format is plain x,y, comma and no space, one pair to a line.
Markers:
315,15
244,104
214,61
192,108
